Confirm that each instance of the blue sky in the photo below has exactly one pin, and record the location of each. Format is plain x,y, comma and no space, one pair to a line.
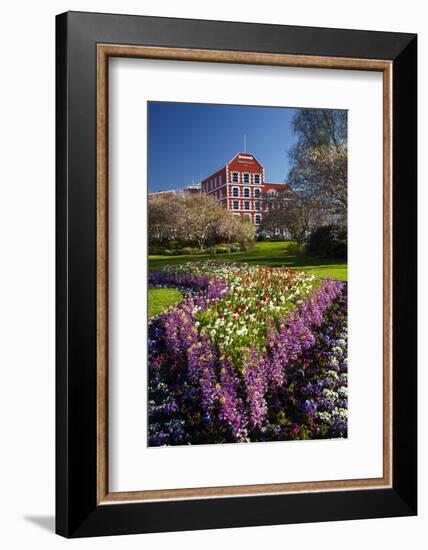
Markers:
189,141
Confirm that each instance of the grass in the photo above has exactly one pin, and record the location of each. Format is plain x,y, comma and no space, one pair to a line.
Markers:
266,253
160,299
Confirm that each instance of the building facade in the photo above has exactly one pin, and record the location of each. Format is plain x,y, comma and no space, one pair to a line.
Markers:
240,186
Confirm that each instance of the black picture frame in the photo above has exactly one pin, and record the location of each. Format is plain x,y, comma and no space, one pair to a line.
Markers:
77,511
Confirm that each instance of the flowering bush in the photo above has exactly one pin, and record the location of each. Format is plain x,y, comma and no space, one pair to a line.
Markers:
251,354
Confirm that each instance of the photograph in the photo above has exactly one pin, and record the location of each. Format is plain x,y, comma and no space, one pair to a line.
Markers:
247,273
213,275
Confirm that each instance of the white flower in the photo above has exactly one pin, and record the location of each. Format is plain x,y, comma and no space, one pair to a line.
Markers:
324,417
330,394
341,413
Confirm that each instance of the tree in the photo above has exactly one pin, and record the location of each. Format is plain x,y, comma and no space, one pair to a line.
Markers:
163,215
199,217
194,218
315,127
232,228
319,161
293,220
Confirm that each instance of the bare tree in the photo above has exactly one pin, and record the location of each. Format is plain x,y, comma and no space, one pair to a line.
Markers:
294,220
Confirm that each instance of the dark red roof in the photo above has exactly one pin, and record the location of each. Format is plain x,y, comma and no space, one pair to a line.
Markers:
276,186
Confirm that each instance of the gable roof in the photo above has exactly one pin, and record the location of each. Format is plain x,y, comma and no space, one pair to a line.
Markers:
244,158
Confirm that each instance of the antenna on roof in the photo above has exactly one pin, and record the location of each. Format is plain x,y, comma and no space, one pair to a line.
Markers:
245,143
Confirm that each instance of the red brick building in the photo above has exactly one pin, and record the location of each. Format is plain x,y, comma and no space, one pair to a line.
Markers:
240,186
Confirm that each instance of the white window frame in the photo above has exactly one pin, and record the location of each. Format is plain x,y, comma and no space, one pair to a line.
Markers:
233,205
233,175
254,179
245,205
249,178
249,193
257,193
233,189
259,217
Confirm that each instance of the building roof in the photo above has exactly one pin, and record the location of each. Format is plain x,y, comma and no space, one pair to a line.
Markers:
166,192
276,186
244,158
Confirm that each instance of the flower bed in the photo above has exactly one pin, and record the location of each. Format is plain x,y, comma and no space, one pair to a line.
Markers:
252,354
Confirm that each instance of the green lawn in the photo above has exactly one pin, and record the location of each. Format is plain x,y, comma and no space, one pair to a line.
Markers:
160,299
266,253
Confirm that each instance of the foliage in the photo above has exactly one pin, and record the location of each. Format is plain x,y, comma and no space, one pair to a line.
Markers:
318,161
294,219
174,248
325,127
291,385
185,220
329,240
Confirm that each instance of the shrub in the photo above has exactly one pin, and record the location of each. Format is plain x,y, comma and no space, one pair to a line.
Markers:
328,240
156,249
190,250
222,249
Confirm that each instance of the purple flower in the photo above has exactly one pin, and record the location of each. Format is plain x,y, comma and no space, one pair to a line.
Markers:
231,406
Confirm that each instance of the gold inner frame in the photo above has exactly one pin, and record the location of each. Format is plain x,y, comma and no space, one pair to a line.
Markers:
104,51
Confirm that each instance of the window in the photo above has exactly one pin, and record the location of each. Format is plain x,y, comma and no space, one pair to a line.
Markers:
257,206
235,205
219,181
235,192
247,205
257,193
257,218
272,193
235,177
246,178
256,178
215,183
246,193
